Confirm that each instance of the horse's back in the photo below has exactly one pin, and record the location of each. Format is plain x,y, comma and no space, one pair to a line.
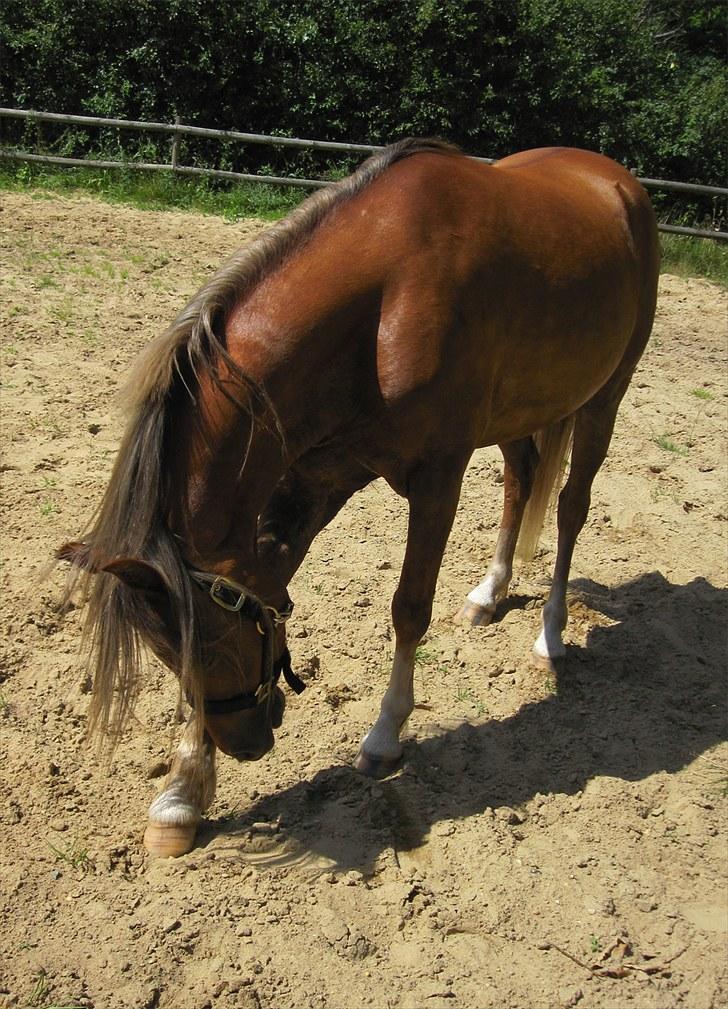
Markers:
548,220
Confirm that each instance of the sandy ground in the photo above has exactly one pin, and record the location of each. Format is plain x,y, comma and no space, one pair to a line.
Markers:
545,844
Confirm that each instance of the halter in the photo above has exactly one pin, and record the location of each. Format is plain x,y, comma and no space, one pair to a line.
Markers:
235,598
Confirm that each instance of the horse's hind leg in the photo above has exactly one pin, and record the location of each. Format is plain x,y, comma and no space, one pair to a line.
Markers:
188,791
433,498
521,459
593,426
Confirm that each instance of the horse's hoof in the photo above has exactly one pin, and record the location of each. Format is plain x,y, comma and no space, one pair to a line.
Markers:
473,615
551,665
376,767
169,840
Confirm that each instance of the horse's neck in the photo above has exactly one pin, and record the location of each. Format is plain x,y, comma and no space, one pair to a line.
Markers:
304,334
296,342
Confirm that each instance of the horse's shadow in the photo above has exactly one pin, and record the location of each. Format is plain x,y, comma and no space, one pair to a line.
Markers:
646,695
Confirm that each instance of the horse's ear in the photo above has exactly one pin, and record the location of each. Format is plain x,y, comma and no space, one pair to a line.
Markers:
77,553
137,575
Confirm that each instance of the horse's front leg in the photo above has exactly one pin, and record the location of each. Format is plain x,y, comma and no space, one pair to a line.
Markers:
433,498
188,791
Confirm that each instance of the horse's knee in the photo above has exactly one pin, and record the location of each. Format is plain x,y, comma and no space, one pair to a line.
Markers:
411,617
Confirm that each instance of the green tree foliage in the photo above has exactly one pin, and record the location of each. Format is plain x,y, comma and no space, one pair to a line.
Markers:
642,80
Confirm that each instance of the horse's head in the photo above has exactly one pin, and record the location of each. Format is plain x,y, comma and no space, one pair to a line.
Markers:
225,645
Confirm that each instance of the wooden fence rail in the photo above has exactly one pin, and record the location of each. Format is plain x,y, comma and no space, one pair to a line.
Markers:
178,129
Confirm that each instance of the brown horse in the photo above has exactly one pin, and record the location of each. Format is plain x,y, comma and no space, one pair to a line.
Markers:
425,306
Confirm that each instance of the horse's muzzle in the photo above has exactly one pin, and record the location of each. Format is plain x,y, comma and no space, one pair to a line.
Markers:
250,754
248,735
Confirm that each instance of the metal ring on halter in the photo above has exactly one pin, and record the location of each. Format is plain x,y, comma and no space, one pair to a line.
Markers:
279,617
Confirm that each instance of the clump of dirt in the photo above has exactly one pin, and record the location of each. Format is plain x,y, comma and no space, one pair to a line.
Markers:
546,843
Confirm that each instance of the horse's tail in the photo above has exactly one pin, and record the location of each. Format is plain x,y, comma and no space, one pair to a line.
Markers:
554,445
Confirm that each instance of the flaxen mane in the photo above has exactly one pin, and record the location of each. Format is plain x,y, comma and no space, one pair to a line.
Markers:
130,520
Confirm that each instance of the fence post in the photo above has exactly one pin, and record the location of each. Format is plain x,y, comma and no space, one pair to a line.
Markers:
175,145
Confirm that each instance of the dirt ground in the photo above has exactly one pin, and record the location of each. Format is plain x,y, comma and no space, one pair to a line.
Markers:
547,842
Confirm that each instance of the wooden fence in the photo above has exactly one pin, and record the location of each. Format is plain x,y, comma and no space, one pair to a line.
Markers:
177,130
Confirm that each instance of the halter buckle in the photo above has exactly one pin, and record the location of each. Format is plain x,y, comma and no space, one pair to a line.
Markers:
223,585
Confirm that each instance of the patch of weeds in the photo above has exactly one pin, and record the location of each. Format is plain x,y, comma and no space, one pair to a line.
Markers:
49,481
39,994
73,853
45,281
62,312
47,508
11,349
666,443
424,656
701,393
39,991
467,696
158,262
595,944
550,683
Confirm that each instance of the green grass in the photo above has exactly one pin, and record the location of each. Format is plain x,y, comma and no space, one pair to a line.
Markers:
40,989
424,656
704,394
72,853
155,190
666,443
464,695
695,257
37,999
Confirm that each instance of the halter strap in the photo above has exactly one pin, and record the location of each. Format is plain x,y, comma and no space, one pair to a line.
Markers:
232,596
251,699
